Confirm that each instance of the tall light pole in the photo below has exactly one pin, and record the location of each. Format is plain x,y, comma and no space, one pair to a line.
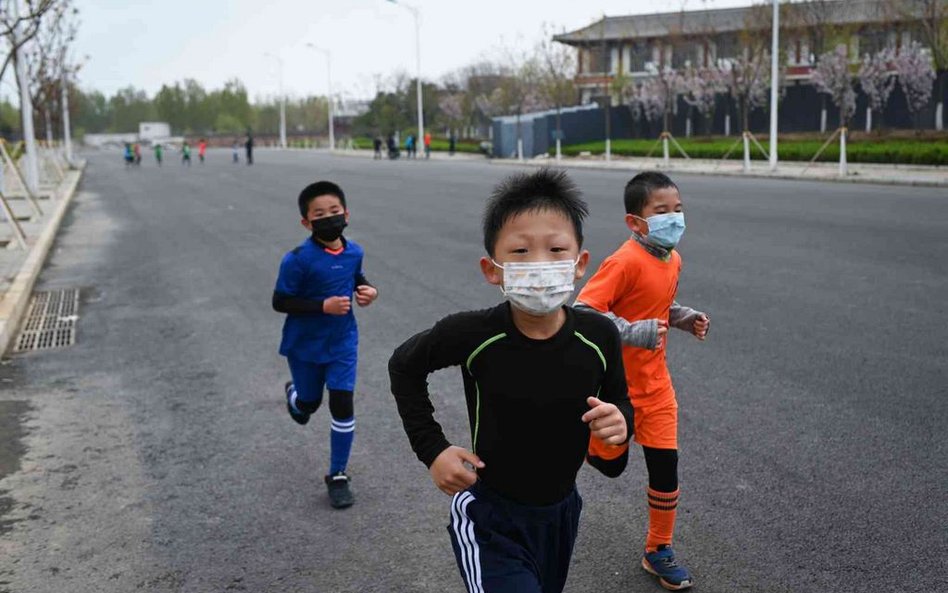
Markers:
282,101
421,118
328,54
774,52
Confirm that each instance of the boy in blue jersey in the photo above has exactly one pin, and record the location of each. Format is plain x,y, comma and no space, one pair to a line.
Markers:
315,288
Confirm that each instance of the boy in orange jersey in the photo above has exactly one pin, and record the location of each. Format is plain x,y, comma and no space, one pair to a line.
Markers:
635,287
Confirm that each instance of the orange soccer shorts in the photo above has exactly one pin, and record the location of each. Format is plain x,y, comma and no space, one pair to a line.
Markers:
656,426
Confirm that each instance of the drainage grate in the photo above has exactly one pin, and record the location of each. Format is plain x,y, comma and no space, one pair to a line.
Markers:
50,321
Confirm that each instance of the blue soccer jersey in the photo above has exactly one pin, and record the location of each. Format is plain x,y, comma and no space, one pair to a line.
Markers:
313,272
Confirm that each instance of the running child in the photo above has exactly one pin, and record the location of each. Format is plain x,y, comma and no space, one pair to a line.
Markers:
202,149
635,287
186,153
159,151
315,288
539,378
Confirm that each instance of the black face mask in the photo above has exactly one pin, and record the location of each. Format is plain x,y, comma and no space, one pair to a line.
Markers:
329,229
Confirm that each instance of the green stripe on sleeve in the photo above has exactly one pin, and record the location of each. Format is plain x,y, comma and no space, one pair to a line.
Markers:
594,347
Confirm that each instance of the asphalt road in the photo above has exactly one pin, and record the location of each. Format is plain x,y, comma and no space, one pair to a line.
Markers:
156,453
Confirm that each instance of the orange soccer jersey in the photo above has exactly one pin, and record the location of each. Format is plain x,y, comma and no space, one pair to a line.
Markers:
636,285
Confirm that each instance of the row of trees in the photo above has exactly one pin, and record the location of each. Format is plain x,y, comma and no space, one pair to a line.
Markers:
192,109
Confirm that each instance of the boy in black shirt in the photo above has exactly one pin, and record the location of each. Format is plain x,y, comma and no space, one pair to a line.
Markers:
539,377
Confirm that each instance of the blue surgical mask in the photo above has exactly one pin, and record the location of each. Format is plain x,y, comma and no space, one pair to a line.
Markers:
665,230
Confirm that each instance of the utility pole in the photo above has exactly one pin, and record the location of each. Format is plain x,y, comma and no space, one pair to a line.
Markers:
282,101
421,118
328,54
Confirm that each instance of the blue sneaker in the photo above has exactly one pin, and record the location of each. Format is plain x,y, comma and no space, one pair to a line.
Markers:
298,417
662,564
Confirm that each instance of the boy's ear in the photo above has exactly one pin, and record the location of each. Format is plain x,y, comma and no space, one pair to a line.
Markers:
635,225
306,224
347,216
492,273
581,264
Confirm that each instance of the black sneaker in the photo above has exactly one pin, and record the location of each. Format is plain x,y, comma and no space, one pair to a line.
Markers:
340,496
298,417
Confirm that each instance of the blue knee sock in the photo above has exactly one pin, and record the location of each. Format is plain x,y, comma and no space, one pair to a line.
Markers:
340,444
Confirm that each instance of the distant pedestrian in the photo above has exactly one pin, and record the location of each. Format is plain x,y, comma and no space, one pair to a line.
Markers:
427,145
392,147
138,153
129,155
235,152
410,146
202,149
158,152
249,146
377,146
316,285
452,144
186,154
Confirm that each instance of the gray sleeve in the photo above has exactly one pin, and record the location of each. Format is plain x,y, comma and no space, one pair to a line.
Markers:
682,317
640,334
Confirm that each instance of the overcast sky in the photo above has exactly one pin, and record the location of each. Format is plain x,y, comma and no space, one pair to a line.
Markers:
147,43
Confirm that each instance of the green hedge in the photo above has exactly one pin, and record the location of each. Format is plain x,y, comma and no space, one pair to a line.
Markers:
437,145
896,150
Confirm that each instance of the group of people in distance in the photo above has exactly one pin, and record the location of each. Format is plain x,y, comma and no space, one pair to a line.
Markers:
548,386
133,152
411,146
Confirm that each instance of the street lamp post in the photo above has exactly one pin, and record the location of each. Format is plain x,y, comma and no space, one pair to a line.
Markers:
421,118
328,54
774,51
282,101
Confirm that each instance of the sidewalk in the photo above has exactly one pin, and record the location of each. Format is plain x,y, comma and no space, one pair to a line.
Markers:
918,175
19,268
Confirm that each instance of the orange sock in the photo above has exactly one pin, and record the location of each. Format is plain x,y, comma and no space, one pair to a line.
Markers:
661,518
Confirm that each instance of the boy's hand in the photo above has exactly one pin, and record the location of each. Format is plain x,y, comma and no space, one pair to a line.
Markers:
449,473
606,422
662,330
365,294
701,326
337,305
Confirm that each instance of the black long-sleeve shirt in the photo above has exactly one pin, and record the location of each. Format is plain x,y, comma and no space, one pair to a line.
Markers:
525,397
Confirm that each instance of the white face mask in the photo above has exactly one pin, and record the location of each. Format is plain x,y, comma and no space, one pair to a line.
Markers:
538,287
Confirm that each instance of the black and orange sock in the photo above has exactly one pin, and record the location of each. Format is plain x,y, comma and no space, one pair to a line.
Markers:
662,507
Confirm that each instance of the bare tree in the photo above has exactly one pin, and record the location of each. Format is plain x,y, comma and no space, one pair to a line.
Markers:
46,60
557,69
19,26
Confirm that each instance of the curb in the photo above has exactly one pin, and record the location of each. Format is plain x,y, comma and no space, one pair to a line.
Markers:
752,175
14,301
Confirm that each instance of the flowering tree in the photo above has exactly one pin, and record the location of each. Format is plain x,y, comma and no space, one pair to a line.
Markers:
658,94
747,80
452,108
833,77
701,87
877,79
916,76
556,65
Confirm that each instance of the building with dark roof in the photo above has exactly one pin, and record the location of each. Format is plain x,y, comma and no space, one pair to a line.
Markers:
637,45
